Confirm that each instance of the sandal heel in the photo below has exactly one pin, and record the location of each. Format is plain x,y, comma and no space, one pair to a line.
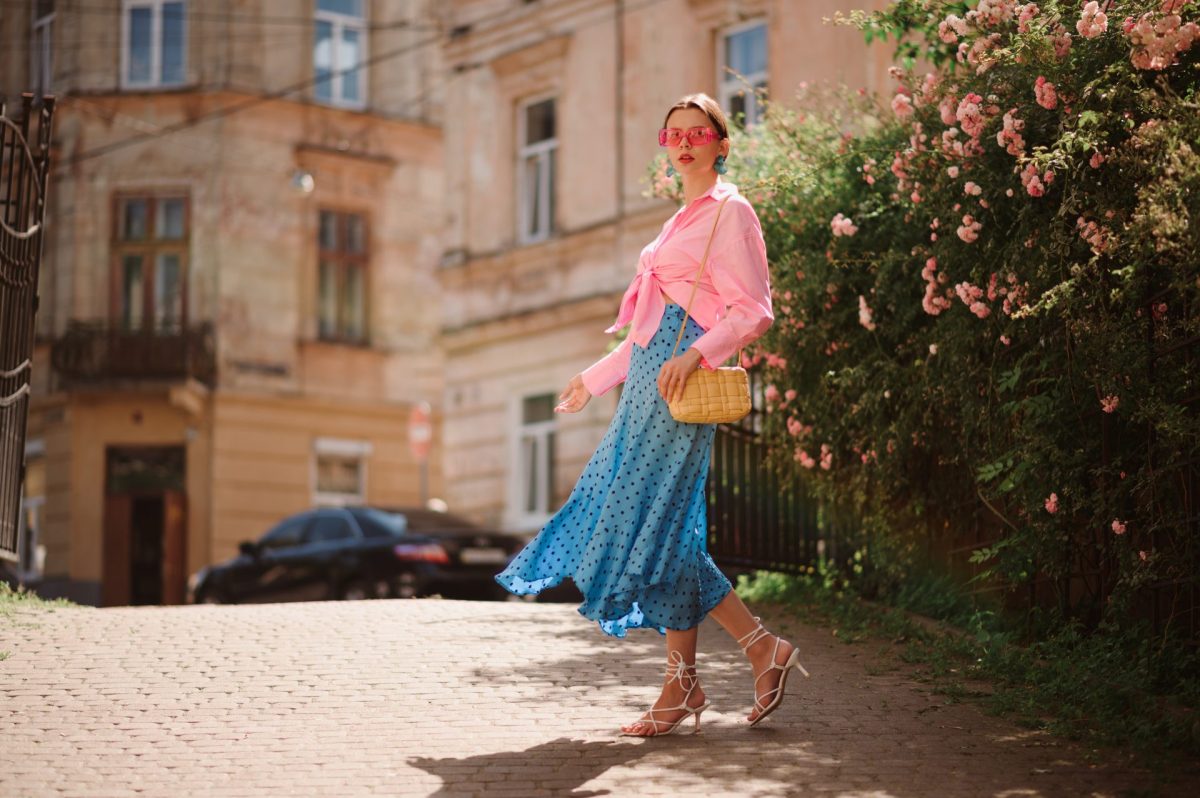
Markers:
776,694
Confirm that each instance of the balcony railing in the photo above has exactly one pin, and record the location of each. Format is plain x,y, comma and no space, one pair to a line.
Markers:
95,352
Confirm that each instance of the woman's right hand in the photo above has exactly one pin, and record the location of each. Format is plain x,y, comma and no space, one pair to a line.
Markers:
574,398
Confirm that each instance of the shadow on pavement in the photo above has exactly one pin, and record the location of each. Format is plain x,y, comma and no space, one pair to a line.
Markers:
560,766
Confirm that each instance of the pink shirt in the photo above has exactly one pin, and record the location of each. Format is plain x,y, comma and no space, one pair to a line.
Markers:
733,301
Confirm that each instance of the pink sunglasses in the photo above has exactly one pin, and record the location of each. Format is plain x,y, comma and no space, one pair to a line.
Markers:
696,136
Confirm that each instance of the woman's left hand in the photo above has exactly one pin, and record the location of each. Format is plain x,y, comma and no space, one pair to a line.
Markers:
673,375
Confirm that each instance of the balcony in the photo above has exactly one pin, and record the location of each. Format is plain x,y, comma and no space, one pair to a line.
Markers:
96,352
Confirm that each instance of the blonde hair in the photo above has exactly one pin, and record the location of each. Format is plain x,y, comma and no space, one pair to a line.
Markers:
710,107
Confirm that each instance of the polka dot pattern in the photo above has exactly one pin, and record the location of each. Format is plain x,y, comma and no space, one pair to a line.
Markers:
632,533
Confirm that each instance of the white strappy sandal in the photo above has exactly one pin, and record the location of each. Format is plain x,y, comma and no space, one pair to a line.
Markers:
776,693
677,671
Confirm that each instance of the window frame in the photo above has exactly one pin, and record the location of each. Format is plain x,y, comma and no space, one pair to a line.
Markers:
546,149
544,433
728,85
340,23
156,45
343,448
41,49
344,260
149,249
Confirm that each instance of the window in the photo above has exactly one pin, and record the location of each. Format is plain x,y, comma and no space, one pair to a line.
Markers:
340,44
743,60
155,49
340,471
535,458
342,277
376,523
150,273
41,47
328,528
535,178
289,533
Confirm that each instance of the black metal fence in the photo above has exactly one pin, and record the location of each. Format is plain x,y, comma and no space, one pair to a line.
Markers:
1173,338
24,167
759,516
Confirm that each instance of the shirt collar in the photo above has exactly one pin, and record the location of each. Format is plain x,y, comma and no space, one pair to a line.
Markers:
719,191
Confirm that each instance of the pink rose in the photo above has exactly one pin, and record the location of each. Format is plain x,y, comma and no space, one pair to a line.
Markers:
968,231
1045,94
842,226
802,457
1052,504
1093,22
826,457
864,313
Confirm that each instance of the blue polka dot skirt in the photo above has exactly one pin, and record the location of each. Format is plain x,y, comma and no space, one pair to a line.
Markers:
632,533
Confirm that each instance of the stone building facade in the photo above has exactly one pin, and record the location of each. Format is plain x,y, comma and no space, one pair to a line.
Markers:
276,227
238,302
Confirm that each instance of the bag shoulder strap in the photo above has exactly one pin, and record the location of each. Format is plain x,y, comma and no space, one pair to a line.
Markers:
703,262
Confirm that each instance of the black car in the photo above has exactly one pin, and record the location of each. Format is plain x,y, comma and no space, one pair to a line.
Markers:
360,552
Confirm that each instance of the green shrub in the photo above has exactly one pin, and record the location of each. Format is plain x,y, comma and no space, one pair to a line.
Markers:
985,296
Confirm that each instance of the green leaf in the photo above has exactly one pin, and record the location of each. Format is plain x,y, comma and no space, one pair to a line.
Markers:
1009,379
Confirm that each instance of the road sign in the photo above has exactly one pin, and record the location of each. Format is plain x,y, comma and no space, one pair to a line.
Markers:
420,431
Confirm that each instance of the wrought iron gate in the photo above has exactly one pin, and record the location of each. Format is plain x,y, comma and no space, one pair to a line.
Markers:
23,173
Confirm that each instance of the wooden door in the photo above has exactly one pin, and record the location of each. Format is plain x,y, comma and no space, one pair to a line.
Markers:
174,562
115,565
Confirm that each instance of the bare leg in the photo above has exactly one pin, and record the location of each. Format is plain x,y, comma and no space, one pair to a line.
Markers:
735,618
675,691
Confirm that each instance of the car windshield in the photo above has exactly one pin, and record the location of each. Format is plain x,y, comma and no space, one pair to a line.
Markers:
378,523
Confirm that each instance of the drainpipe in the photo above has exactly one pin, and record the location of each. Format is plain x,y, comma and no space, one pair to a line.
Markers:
620,110
619,115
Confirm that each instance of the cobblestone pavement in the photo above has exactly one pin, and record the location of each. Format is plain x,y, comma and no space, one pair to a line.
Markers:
451,698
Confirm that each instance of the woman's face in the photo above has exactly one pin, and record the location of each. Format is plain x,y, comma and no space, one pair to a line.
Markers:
686,157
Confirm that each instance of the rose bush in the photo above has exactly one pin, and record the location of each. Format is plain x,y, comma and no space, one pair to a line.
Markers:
987,288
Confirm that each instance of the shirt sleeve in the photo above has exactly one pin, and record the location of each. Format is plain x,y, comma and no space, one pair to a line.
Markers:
739,275
609,370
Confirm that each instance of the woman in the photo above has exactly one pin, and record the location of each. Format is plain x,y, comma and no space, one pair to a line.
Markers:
632,533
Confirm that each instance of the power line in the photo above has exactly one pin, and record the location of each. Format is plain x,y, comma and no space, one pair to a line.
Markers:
242,36
236,107
213,16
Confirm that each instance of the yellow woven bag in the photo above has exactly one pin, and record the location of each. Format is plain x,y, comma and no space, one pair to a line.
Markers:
719,396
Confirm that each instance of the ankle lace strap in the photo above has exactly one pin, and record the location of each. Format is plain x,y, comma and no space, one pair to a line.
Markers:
677,671
754,635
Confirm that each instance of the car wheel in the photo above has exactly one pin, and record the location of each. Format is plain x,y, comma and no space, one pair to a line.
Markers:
354,591
405,586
